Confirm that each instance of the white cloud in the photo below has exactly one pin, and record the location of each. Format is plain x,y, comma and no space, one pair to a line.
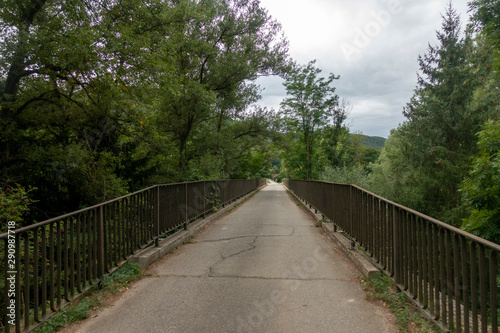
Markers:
378,80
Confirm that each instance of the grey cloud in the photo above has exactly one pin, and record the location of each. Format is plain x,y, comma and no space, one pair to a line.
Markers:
379,80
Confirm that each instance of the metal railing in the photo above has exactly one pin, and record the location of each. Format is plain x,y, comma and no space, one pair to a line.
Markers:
45,265
452,275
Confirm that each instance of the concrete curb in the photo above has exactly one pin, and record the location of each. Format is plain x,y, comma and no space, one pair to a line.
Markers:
364,265
360,260
149,255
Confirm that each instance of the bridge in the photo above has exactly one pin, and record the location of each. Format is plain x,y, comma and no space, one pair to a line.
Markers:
262,267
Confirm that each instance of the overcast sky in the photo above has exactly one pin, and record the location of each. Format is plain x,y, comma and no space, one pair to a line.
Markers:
372,44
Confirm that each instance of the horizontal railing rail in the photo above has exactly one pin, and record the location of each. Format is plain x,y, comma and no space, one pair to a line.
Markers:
451,274
47,264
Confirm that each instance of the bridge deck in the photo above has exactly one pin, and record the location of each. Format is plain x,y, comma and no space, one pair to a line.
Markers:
264,267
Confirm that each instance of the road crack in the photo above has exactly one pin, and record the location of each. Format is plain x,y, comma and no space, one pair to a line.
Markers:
278,278
221,239
241,237
252,247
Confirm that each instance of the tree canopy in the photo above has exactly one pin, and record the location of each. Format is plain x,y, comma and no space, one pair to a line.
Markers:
481,189
311,105
100,97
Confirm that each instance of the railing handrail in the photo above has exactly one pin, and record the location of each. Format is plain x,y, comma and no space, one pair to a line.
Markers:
442,224
76,212
64,216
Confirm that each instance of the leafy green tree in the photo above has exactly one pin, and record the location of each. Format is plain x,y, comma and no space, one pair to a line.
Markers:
60,92
101,97
292,157
308,110
14,205
240,145
486,20
393,176
333,136
346,175
353,160
481,190
218,50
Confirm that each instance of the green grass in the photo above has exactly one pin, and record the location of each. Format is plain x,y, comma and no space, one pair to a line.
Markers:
121,278
80,310
408,318
319,223
235,205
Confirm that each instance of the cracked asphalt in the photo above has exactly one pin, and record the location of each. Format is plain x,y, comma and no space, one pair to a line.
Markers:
263,267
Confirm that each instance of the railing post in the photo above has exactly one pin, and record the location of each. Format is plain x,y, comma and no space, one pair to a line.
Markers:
222,195
100,243
351,210
157,215
204,199
493,289
396,245
186,205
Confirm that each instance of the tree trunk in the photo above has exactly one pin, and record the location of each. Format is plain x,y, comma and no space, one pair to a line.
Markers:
184,138
16,72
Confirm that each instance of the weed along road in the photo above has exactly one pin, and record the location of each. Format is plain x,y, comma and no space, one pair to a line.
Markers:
262,267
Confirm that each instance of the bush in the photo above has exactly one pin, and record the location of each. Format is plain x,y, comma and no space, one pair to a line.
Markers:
480,192
14,205
355,175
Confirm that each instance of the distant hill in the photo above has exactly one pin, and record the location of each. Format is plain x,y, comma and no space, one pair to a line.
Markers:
376,142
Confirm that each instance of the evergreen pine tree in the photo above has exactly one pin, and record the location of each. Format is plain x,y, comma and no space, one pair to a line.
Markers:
439,135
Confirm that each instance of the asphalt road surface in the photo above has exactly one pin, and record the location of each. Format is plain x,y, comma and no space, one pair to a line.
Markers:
263,267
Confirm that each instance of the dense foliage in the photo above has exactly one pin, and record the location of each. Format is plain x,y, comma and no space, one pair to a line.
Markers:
481,189
311,105
98,98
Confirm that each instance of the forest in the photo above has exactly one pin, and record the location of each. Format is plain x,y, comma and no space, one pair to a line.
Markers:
99,98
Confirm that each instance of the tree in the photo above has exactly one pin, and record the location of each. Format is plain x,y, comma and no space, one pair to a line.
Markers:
427,158
309,108
100,97
218,50
481,190
63,92
486,20
333,134
14,204
439,135
393,176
